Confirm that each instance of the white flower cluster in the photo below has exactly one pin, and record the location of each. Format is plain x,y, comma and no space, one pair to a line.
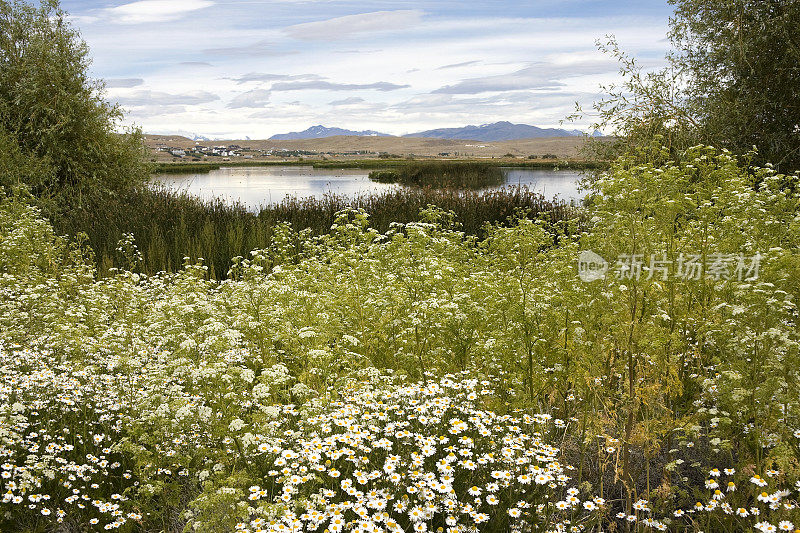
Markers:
750,502
424,457
58,428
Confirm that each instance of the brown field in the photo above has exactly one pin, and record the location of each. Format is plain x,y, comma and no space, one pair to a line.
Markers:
342,147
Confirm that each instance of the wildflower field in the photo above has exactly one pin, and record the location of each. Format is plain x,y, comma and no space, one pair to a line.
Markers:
419,379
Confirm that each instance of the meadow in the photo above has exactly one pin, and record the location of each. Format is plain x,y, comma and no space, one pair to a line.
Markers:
414,376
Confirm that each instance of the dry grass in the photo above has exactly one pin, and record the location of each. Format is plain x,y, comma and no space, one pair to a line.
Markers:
563,147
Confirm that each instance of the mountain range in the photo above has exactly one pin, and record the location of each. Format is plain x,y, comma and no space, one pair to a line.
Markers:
498,131
317,132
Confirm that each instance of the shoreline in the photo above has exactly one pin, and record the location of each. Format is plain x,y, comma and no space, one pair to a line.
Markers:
197,167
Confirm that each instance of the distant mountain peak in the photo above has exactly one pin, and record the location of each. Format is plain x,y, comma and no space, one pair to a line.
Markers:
181,133
320,131
497,131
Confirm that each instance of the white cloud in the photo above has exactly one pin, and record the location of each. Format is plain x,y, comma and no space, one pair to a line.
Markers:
145,11
149,98
349,25
321,85
353,100
539,76
254,98
458,65
262,48
264,77
123,83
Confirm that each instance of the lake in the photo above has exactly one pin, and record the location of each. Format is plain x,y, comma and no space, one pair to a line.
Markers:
258,186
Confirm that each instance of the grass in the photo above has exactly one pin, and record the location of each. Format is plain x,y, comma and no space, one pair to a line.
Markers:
443,175
169,225
184,168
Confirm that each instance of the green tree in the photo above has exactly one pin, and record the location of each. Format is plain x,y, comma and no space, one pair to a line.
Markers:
648,111
742,58
59,136
732,80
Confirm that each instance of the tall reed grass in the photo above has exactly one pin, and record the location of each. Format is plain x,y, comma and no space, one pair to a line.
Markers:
183,168
442,175
207,166
169,225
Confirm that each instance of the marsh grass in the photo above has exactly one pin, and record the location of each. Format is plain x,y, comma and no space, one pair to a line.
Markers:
168,226
443,175
379,164
183,168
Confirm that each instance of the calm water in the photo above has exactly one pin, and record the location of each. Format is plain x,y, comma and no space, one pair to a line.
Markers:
257,186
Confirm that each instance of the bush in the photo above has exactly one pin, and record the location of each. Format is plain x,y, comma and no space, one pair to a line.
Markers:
169,226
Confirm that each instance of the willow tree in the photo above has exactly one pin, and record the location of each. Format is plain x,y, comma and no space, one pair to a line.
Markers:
742,58
58,136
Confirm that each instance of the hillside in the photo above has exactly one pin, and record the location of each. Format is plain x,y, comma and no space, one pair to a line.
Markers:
499,131
360,146
318,132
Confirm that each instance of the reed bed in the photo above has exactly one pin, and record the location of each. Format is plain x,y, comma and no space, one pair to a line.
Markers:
442,175
169,226
184,168
379,164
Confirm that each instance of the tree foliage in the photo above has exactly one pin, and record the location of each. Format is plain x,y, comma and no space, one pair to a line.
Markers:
732,80
58,135
742,58
647,111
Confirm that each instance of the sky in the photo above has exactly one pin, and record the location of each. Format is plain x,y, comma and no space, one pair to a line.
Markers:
254,68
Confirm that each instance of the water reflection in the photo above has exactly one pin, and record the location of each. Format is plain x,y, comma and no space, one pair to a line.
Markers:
258,186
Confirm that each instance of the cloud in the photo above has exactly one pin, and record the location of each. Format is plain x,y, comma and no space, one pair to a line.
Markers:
123,83
254,98
195,64
263,48
155,98
456,65
258,76
348,101
82,20
149,111
499,103
330,86
360,52
540,76
349,25
145,11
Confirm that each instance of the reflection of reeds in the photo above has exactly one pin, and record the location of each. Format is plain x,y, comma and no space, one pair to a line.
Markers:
169,225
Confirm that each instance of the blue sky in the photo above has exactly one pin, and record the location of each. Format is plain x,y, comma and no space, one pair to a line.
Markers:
254,68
